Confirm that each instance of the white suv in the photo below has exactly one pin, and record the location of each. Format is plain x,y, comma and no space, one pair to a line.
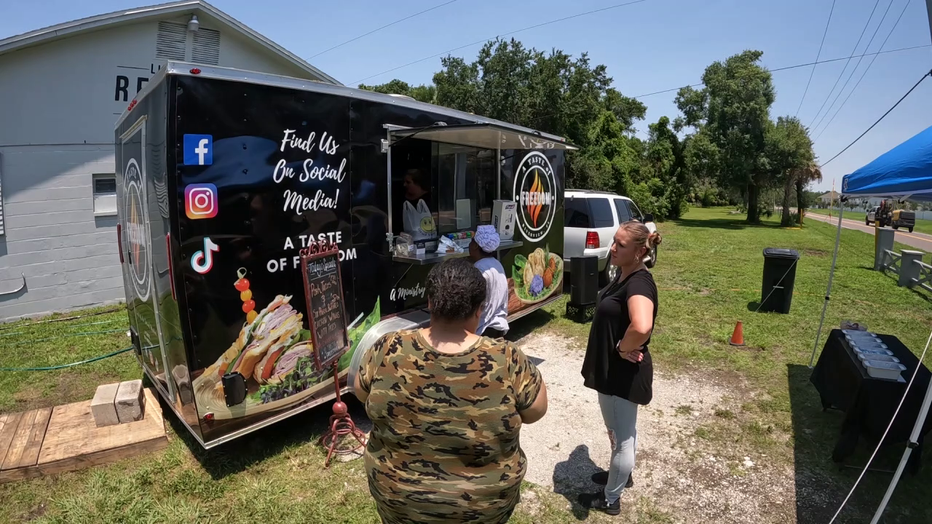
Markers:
590,221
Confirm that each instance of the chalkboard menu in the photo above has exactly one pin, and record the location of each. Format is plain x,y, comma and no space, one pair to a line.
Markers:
323,289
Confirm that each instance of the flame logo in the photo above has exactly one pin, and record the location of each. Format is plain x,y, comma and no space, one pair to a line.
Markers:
536,188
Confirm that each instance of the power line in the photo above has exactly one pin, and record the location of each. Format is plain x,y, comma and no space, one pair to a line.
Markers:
667,90
855,70
866,25
616,6
879,119
381,28
855,88
797,66
819,54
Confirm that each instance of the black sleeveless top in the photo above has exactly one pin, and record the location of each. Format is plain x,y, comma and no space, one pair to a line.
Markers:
604,370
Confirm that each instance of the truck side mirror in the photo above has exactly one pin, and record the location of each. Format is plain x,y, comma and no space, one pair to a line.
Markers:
648,218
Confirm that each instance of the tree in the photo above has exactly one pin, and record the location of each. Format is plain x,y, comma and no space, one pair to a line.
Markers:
608,163
557,94
788,150
420,93
733,108
701,162
664,182
803,177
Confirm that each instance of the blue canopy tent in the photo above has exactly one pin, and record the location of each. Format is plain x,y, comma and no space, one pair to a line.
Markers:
904,173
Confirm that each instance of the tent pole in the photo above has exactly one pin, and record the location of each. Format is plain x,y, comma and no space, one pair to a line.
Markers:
828,292
913,443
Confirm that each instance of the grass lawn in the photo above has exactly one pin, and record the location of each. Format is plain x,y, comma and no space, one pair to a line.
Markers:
709,276
922,226
61,339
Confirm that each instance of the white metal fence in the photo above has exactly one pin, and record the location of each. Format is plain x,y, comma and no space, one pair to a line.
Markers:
912,272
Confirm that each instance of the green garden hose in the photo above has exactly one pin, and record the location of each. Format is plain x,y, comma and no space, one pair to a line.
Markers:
63,366
79,334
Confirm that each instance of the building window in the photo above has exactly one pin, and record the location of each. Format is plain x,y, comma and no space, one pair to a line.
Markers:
105,195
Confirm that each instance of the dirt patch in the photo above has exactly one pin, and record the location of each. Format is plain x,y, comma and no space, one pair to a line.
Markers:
815,252
28,398
693,478
59,389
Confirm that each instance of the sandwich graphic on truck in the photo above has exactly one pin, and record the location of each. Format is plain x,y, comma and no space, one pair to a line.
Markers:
272,353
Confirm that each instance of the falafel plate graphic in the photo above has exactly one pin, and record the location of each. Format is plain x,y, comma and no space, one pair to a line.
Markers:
534,278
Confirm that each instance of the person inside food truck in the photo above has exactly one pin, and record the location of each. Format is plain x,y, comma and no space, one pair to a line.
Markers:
417,218
493,322
416,185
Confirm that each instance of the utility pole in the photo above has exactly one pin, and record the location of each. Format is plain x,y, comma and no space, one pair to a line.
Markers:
929,13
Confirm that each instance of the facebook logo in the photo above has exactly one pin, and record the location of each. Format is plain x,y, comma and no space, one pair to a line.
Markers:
198,150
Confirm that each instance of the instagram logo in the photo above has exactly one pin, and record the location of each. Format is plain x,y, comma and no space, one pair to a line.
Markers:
200,201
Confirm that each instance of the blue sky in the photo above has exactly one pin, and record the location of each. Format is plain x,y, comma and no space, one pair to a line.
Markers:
649,46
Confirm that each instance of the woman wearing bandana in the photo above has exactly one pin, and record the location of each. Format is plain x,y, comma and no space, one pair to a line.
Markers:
493,322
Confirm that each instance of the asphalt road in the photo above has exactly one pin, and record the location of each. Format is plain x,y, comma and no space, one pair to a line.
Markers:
919,241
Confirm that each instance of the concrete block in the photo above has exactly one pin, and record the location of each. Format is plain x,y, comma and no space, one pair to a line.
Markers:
129,401
102,405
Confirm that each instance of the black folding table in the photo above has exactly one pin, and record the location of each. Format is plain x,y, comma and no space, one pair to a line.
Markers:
843,383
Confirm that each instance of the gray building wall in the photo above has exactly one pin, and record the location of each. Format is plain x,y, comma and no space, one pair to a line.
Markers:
58,105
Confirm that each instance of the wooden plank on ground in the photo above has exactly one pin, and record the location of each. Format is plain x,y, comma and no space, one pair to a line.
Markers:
8,424
75,442
23,454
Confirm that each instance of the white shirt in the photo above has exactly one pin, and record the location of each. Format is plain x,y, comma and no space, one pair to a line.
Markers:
495,312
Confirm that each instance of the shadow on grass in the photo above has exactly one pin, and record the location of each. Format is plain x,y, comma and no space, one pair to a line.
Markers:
254,448
733,224
815,432
571,478
822,484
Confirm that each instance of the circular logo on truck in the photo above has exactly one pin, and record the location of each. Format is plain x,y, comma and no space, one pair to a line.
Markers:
135,234
535,193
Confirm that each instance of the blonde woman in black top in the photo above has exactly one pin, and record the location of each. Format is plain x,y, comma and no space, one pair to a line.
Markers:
618,363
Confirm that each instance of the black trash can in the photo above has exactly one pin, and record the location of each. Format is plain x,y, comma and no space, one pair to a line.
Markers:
584,287
779,278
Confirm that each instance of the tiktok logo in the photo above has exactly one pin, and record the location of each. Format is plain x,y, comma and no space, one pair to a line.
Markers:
203,261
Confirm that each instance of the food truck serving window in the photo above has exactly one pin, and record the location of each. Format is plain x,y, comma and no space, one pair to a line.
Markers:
446,179
460,180
466,186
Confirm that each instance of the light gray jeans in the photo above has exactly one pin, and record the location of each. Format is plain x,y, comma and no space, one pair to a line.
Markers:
620,418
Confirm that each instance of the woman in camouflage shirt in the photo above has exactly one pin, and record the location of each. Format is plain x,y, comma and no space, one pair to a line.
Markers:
447,406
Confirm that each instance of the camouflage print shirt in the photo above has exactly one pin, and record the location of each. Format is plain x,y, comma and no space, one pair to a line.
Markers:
444,442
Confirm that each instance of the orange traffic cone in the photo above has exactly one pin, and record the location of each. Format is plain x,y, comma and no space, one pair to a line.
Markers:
737,337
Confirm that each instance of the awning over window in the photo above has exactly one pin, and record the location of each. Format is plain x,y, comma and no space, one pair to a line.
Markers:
484,136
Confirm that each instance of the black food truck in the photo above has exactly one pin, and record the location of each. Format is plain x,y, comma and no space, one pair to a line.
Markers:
224,176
